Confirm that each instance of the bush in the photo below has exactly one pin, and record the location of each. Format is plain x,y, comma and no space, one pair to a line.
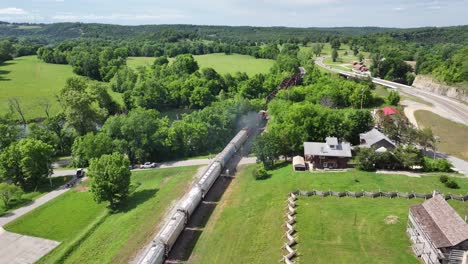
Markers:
393,98
443,178
365,159
451,184
260,173
439,165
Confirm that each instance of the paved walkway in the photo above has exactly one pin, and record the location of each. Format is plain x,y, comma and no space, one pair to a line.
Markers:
5,219
21,249
168,164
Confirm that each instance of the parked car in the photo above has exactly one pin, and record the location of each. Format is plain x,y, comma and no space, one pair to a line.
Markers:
80,173
148,165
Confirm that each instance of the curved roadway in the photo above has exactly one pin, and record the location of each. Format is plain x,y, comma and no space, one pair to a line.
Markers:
449,108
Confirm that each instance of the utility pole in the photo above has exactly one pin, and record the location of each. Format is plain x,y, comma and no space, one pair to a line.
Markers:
362,96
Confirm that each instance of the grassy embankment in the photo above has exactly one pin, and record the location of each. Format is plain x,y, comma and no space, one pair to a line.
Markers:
34,83
33,194
89,234
247,224
221,62
452,135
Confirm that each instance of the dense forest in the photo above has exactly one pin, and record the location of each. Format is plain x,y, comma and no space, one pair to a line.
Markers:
91,123
438,51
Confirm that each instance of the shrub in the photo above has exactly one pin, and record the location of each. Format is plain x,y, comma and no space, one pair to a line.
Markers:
438,165
443,178
366,159
260,173
452,184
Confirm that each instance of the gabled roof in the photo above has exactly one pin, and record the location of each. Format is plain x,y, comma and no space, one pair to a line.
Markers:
323,149
389,111
440,222
374,136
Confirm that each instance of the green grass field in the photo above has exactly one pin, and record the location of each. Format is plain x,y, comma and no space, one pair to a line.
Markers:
90,235
220,62
448,131
246,226
34,82
349,230
31,195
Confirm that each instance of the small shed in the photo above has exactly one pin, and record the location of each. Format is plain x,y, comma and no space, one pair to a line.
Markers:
299,163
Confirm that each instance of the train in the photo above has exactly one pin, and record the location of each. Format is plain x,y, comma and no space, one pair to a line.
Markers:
175,224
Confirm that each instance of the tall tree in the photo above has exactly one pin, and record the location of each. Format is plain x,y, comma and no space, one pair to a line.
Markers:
334,55
110,178
27,162
317,49
79,106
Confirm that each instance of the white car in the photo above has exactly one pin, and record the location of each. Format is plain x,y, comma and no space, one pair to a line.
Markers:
148,165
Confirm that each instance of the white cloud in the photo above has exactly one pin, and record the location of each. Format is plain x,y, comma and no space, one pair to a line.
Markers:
399,8
12,11
301,2
116,17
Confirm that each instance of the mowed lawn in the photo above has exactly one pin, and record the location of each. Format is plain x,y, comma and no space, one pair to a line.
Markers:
349,230
34,83
449,132
247,224
221,62
34,193
89,234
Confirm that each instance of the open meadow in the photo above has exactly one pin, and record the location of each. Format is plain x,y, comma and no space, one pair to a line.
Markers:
247,224
34,83
221,62
449,133
90,234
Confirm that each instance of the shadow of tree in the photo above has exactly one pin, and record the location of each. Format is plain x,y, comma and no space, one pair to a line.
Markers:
4,72
136,199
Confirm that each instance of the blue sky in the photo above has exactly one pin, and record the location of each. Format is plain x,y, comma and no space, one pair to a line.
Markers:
297,13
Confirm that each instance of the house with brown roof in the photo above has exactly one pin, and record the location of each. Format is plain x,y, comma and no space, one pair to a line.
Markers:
438,234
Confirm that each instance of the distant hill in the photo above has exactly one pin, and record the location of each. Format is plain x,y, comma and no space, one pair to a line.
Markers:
61,31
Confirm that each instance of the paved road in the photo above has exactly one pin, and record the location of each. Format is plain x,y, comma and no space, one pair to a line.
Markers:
168,164
445,106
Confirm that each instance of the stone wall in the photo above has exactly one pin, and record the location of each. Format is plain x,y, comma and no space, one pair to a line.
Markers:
427,83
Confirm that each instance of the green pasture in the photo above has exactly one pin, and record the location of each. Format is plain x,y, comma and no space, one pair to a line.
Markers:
221,62
34,83
449,133
247,223
89,234
34,193
350,230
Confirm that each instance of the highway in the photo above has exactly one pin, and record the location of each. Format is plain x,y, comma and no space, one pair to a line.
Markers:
444,106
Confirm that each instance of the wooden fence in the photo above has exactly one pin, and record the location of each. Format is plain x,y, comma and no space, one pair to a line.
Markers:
363,193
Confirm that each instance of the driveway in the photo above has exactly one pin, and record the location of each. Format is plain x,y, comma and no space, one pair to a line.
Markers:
21,249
